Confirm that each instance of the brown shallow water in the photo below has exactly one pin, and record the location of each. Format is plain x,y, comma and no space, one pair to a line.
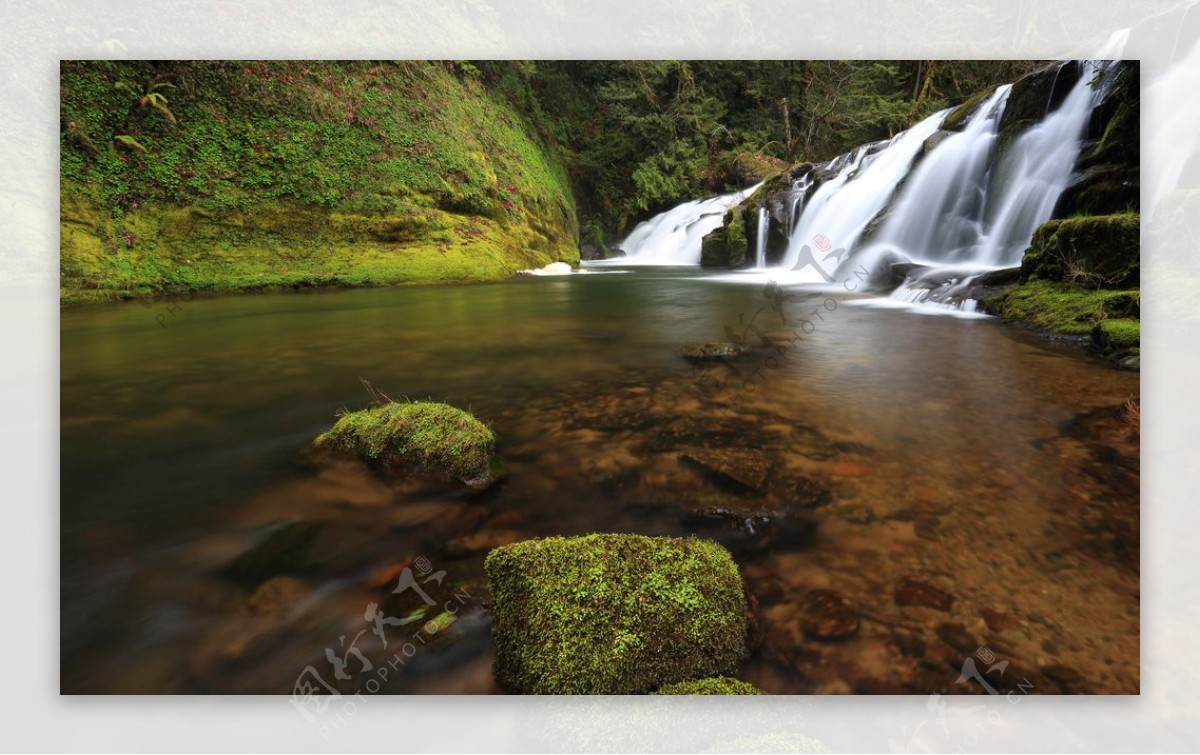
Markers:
903,492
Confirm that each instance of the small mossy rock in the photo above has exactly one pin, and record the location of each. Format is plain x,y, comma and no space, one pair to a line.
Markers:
1117,335
435,439
286,549
717,685
710,351
614,614
1101,251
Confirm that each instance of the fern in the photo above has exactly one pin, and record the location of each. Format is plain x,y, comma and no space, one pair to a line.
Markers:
129,141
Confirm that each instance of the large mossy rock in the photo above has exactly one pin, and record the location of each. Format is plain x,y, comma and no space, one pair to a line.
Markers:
424,437
720,685
1094,251
614,614
726,246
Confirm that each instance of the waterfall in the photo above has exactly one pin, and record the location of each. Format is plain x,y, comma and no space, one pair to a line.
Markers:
673,237
760,237
837,213
940,212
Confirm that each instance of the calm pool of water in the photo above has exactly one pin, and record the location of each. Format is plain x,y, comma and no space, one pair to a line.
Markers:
885,446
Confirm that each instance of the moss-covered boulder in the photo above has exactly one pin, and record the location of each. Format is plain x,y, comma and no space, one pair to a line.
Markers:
614,614
1118,335
423,437
726,246
719,685
1094,251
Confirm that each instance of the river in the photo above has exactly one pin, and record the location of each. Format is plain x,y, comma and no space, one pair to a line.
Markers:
863,451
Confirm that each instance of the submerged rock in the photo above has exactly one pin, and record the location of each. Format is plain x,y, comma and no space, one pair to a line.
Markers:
911,591
419,437
720,351
277,595
717,685
827,615
614,614
286,549
740,469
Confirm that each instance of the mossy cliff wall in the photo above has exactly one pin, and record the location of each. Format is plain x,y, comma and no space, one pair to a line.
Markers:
188,176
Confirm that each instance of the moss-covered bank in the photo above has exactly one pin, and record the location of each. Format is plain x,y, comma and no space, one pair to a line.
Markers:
1081,277
614,614
192,176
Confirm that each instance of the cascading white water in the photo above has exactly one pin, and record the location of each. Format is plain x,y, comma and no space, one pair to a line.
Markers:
940,212
1035,170
799,190
837,213
673,237
760,238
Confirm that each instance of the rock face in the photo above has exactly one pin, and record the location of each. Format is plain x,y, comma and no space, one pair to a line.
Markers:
732,244
614,614
1034,95
1108,173
419,437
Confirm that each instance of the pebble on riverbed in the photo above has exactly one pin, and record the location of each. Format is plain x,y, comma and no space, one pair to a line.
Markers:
911,591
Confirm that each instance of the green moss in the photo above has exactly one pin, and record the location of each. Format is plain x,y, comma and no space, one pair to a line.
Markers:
720,685
434,437
1096,251
958,117
296,173
1117,335
613,614
1062,307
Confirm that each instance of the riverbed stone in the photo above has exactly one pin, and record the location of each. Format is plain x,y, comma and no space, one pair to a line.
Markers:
710,351
827,615
277,595
737,468
911,591
614,614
